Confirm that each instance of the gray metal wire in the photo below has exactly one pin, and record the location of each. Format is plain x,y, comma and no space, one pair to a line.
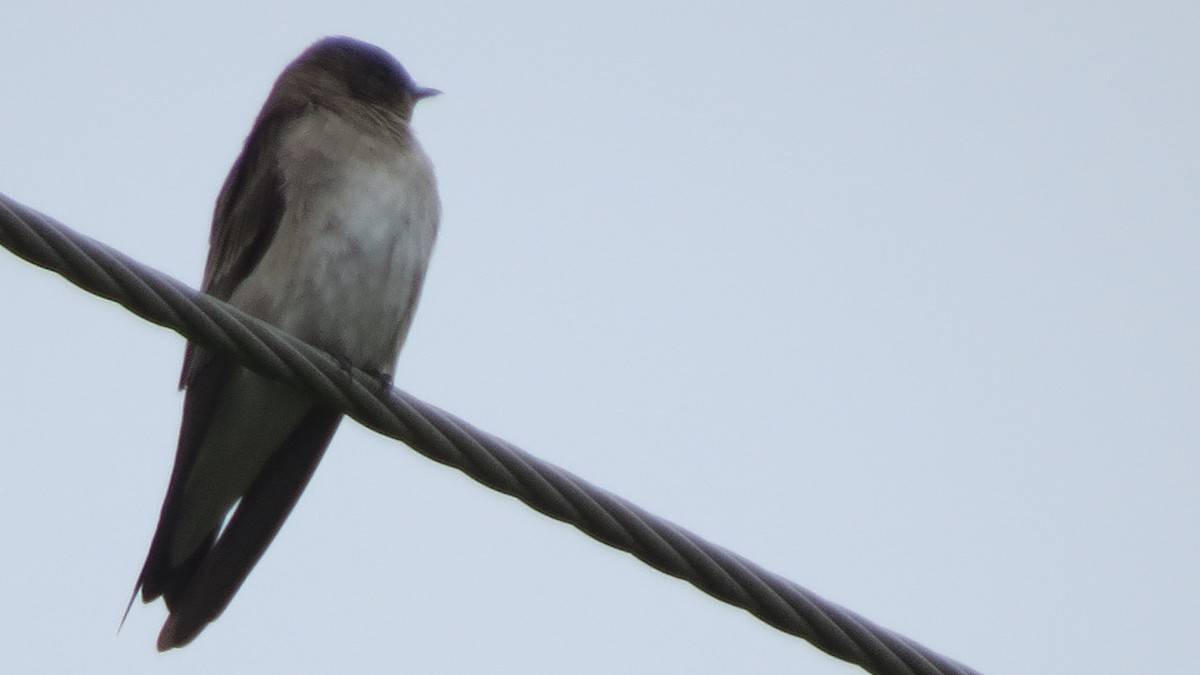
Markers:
444,438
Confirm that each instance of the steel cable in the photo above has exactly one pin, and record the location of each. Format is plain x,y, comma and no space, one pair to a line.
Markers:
444,438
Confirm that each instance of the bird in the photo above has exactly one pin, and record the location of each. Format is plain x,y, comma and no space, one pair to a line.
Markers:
324,228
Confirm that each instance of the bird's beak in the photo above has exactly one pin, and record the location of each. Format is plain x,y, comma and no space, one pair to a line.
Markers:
425,92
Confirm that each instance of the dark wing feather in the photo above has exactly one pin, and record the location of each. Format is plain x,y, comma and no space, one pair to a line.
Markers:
247,215
253,526
159,576
249,208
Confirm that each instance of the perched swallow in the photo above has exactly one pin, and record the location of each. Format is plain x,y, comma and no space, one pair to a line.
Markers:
323,228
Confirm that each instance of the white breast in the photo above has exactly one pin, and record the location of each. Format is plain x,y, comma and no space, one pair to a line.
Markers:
345,268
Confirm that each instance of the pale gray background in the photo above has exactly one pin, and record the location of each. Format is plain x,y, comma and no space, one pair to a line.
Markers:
897,299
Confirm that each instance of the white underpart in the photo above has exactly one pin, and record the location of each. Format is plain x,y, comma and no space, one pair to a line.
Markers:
342,272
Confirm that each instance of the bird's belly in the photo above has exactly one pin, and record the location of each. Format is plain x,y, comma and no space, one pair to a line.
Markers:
346,266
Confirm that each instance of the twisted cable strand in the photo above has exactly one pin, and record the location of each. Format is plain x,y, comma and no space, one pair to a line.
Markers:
446,439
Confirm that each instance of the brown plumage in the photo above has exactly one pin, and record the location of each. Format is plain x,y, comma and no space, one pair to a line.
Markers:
324,228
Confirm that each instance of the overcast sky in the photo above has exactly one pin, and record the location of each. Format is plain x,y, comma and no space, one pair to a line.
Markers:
899,300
